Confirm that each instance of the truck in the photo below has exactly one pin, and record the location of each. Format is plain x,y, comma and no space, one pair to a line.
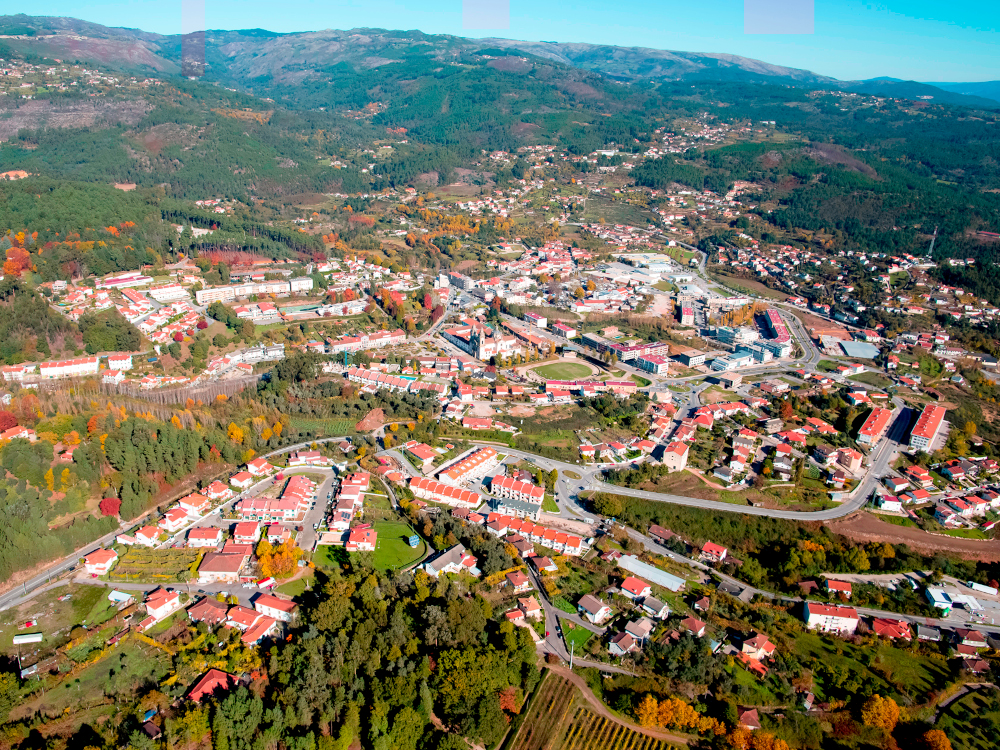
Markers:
992,590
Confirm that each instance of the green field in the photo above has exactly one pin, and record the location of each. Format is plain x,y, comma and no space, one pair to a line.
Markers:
971,720
549,504
563,371
323,557
296,587
55,618
392,550
578,637
872,378
640,381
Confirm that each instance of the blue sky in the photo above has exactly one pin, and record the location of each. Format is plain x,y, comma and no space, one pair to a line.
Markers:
913,39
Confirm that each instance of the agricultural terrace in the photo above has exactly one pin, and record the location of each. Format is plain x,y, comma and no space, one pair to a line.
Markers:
560,718
156,565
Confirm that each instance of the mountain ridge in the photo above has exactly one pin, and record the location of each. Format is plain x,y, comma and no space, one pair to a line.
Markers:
246,55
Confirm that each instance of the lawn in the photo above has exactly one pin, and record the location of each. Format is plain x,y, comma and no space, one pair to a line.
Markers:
296,587
563,371
641,381
825,365
577,637
323,557
392,550
549,504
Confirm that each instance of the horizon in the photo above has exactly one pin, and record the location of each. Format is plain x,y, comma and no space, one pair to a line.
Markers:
849,39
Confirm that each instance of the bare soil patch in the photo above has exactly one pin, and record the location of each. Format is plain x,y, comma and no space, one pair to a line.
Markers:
522,410
371,421
868,528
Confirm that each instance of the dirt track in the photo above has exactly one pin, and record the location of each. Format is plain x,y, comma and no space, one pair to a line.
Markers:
866,527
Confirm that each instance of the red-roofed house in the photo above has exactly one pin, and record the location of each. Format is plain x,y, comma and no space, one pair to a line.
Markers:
160,603
675,456
886,627
838,587
271,606
713,552
635,588
246,532
361,539
100,561
174,519
214,680
241,480
518,581
148,536
830,618
205,536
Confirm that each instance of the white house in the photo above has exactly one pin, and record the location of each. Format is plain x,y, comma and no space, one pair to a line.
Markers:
161,603
205,536
593,609
831,618
272,606
100,561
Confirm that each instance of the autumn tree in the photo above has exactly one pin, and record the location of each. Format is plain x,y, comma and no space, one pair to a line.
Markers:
647,712
935,739
110,506
880,712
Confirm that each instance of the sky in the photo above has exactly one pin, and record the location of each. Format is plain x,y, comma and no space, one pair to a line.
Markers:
848,39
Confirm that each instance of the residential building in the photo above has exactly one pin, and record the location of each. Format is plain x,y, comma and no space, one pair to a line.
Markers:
622,644
204,536
271,606
593,609
675,455
454,560
635,588
476,464
516,498
220,568
927,428
362,539
831,618
100,561
875,426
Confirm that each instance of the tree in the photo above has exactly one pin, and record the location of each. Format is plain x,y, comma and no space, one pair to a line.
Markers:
935,739
648,711
786,411
880,712
579,293
110,506
7,420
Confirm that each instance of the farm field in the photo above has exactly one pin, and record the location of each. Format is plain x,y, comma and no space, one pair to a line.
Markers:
55,618
560,718
156,565
324,427
563,371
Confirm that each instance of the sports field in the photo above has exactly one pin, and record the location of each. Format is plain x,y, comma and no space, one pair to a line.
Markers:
563,371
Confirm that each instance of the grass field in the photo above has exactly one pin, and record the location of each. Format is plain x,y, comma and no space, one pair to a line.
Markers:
892,667
323,557
549,504
296,587
872,378
640,381
392,550
120,673
563,371
972,720
55,618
